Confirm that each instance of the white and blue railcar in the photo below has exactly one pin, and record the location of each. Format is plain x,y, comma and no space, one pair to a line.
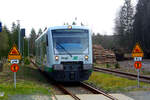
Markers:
65,53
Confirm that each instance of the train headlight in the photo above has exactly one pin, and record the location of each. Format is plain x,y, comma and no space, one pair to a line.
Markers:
56,58
86,57
69,27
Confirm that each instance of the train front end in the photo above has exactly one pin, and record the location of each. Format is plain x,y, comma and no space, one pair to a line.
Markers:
72,53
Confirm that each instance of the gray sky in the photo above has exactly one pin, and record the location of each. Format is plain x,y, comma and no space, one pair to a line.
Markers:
99,15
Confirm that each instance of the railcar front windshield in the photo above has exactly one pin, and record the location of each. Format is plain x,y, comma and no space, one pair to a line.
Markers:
71,41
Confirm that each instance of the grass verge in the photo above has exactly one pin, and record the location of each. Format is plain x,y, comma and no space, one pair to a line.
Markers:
29,81
111,83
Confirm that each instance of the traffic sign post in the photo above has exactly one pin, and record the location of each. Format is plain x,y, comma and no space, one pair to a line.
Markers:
14,57
138,78
15,79
14,68
137,54
138,65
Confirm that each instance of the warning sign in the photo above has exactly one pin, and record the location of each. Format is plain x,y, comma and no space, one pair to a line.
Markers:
137,51
14,53
14,67
138,64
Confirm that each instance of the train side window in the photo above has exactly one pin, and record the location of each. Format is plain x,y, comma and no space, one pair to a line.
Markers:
47,39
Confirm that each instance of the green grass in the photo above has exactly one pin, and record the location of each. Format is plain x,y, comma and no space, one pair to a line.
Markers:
113,83
29,81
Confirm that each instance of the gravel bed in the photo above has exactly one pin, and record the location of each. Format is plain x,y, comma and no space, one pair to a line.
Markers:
56,91
78,90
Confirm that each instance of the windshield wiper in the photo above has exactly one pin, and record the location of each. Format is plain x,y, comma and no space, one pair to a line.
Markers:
64,49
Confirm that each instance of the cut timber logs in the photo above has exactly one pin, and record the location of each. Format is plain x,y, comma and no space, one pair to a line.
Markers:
101,55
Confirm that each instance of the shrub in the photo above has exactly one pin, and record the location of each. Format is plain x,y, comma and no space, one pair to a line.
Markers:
117,65
107,65
26,61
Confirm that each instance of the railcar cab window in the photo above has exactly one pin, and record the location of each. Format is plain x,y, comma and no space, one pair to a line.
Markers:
72,41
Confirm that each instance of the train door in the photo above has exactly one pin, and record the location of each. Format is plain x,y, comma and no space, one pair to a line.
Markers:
47,49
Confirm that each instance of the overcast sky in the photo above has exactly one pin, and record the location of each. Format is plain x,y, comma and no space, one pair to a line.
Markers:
99,15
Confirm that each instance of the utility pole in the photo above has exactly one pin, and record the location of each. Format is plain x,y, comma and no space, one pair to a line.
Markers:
28,47
23,47
0,26
22,42
19,46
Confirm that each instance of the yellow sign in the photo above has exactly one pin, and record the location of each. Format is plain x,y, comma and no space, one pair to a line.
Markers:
137,51
14,53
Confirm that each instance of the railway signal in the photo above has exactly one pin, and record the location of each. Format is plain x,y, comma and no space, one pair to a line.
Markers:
22,32
137,54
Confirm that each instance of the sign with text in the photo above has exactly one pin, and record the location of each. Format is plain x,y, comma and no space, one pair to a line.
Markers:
14,53
137,58
137,51
14,61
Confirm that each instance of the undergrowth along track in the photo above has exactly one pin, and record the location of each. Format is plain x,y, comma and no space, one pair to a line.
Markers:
123,74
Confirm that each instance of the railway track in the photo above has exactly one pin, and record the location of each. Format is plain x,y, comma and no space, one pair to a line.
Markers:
123,74
87,87
97,91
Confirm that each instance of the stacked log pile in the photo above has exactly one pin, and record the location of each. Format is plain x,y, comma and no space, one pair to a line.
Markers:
101,55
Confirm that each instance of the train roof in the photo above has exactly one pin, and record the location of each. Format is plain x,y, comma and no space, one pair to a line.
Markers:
66,27
63,27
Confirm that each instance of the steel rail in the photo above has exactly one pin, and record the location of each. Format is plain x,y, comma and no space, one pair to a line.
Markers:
122,73
88,87
67,92
61,87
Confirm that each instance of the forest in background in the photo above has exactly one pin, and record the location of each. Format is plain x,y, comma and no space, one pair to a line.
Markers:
131,26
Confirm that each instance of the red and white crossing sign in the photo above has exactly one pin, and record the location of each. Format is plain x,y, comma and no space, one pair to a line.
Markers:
14,67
